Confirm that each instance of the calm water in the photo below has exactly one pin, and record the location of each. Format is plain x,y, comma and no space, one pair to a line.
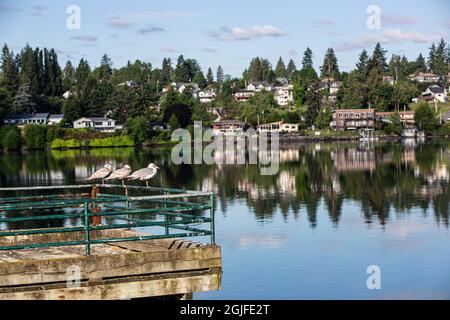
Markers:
312,230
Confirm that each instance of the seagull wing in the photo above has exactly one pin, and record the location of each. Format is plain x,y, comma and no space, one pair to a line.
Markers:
99,174
119,174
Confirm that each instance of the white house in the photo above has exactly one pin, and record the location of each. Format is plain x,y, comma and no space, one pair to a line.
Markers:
55,119
206,96
27,118
243,95
259,86
279,126
67,94
424,77
284,95
435,92
181,86
98,123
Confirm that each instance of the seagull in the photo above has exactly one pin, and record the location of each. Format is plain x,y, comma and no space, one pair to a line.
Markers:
145,174
101,173
120,174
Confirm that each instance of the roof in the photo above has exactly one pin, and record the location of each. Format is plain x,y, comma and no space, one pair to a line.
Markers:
436,89
229,122
95,119
56,116
422,74
356,110
21,116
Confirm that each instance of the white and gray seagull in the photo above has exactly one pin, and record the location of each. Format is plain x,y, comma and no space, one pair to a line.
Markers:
145,174
120,174
101,173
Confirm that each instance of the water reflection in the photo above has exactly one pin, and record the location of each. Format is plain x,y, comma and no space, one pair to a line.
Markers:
382,178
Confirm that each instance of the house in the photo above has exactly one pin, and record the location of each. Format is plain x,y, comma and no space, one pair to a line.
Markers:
158,126
55,119
101,124
424,77
407,117
280,127
259,86
353,119
332,85
206,96
228,127
67,94
389,79
435,92
282,81
181,86
284,95
129,84
27,118
243,95
446,117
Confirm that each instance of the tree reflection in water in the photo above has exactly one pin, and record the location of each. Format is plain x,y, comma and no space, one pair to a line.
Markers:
383,178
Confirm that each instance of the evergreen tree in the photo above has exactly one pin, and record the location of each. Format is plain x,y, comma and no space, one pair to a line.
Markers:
104,72
307,61
24,100
330,67
209,76
378,59
82,73
166,71
362,66
421,65
220,76
9,71
199,79
72,109
280,69
68,76
5,102
291,68
313,101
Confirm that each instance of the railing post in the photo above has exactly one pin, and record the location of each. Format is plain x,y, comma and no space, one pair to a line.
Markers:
166,217
87,229
213,223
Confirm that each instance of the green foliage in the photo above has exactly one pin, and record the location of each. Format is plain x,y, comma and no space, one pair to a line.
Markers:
425,118
173,122
395,126
10,138
5,102
35,136
323,118
138,129
110,142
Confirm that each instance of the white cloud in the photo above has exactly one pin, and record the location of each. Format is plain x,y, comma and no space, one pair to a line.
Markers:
150,30
238,33
85,38
394,20
120,22
324,22
292,52
387,36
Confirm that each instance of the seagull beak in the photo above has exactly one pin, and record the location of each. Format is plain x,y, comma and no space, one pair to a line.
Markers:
158,168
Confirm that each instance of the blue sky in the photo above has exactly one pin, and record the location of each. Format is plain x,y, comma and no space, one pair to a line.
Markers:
225,32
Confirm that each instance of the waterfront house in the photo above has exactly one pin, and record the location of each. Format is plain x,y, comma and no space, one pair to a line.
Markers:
424,77
228,127
101,124
55,119
407,117
279,127
27,118
353,119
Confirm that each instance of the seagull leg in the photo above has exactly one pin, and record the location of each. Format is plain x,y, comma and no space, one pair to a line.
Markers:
146,183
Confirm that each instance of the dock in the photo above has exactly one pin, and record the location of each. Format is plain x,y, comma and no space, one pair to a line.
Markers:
93,248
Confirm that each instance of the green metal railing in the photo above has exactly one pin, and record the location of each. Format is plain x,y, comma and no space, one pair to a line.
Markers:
180,211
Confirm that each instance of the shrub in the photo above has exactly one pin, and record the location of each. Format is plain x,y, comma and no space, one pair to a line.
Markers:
35,136
66,144
138,129
11,138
